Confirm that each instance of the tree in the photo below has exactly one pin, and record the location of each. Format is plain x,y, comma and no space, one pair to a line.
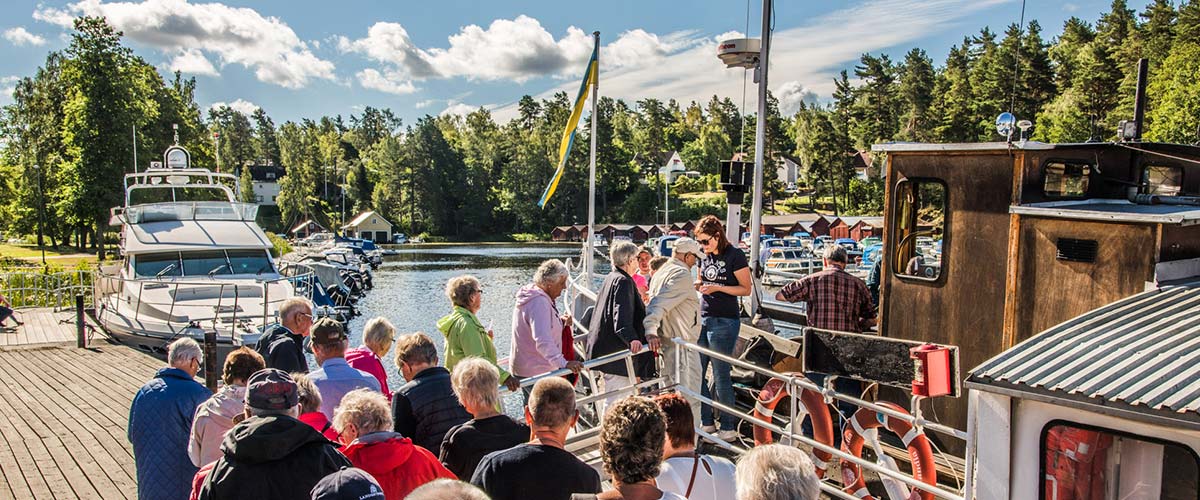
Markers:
236,141
246,186
876,108
266,142
915,93
1176,114
953,110
1187,26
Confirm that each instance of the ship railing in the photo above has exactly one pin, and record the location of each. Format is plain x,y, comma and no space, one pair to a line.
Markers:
245,304
797,383
29,287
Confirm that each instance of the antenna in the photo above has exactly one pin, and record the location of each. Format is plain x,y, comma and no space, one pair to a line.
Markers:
1017,60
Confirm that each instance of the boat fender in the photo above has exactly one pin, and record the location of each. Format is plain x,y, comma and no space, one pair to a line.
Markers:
814,406
919,449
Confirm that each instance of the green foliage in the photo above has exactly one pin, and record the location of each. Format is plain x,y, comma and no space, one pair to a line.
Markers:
1176,113
279,246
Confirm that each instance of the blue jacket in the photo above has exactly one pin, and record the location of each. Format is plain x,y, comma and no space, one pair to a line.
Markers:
160,422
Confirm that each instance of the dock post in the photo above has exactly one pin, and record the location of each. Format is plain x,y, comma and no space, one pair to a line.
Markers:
210,360
80,336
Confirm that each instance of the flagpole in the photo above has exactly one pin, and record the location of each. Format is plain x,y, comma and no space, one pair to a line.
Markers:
589,252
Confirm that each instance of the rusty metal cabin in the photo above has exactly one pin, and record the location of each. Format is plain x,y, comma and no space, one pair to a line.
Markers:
988,244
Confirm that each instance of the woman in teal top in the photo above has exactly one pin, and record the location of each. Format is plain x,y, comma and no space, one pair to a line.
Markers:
465,335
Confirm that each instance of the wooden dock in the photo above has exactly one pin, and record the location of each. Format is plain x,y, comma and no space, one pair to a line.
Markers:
64,411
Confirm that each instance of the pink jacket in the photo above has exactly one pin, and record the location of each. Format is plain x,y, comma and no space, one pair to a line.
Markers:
537,334
365,360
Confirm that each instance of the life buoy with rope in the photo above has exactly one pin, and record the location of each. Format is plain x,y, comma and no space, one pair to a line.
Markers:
814,404
919,449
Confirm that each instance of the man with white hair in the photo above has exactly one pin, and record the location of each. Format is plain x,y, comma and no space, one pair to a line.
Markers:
160,424
674,312
537,341
777,472
282,345
271,455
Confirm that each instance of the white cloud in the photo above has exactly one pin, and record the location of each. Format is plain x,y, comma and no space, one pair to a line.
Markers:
458,108
233,35
1070,7
193,61
20,36
241,105
791,94
8,85
389,81
425,104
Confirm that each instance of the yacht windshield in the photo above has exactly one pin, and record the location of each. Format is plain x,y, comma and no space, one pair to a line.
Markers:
204,263
157,264
250,262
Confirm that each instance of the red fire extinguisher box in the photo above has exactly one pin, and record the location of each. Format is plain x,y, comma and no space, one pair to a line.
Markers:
933,374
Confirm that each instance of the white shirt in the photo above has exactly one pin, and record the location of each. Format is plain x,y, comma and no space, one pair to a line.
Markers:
714,478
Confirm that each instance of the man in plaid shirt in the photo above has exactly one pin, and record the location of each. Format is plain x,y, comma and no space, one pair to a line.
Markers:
834,300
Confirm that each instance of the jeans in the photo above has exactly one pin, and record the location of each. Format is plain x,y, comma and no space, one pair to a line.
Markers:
846,386
5,313
718,334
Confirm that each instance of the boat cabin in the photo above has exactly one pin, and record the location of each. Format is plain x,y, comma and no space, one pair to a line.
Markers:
987,244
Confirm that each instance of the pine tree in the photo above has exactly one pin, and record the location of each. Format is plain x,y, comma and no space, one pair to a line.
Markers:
1176,113
953,110
1064,53
917,79
1187,26
875,110
266,142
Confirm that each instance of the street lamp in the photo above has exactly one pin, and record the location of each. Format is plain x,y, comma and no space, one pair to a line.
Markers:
41,210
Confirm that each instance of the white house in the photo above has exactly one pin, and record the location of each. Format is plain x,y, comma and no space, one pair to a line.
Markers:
266,182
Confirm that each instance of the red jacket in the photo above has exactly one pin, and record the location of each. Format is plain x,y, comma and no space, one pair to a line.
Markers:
395,462
322,424
365,360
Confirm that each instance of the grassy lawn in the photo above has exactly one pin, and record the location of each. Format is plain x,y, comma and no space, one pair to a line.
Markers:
67,257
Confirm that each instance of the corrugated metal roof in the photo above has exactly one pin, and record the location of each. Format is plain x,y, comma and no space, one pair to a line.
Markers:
1139,354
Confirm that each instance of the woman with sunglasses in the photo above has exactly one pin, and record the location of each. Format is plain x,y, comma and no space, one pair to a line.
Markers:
724,276
465,335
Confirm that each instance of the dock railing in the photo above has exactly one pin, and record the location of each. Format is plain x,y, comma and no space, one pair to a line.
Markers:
32,287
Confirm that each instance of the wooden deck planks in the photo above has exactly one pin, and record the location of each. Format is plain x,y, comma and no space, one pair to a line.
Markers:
63,416
42,326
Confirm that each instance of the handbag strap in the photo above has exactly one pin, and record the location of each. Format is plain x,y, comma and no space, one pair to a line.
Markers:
692,481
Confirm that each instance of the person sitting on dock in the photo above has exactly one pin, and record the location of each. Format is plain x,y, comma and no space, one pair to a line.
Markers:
465,335
476,383
542,468
282,345
538,342
378,337
364,424
674,312
684,470
160,423
335,377
777,472
425,408
310,407
271,455
6,311
215,416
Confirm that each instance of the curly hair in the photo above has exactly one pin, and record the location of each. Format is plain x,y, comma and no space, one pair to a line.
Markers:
711,226
240,364
366,409
631,440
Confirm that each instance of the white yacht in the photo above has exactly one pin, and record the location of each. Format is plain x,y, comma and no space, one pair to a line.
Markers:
193,266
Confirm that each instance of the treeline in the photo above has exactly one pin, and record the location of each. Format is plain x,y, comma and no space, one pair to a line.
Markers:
471,177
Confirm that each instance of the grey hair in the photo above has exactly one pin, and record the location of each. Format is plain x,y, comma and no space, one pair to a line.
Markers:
293,412
292,306
460,288
622,254
835,253
379,332
476,382
550,273
447,489
366,409
776,472
308,396
183,350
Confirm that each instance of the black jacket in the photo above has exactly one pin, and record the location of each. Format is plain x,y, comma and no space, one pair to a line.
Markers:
271,457
426,408
465,445
617,322
282,349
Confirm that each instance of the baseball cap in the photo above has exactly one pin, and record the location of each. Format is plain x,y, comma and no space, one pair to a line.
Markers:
688,245
348,483
327,331
271,389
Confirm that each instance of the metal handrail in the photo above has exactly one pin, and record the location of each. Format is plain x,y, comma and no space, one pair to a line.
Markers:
35,288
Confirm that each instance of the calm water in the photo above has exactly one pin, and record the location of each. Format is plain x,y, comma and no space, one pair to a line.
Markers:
410,292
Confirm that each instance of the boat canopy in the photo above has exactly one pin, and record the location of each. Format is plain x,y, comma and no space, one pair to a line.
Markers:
1137,358
1113,210
182,235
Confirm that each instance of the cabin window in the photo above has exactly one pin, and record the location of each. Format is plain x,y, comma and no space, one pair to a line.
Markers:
205,263
1163,180
1066,179
151,265
1082,463
250,262
920,228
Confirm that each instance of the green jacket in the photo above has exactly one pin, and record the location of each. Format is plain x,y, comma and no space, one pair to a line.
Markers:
466,337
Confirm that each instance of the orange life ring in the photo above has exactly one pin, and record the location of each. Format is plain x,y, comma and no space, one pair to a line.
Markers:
919,449
822,423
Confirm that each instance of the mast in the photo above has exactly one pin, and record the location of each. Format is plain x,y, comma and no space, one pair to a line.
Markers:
760,135
589,249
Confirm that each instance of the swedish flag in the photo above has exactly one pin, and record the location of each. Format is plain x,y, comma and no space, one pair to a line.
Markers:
568,137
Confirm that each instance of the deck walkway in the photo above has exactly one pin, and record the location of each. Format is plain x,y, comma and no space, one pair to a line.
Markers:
64,411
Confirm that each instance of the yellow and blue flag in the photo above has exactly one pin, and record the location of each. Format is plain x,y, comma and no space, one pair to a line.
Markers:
568,137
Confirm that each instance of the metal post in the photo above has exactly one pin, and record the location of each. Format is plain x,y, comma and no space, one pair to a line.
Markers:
210,360
590,248
80,337
760,138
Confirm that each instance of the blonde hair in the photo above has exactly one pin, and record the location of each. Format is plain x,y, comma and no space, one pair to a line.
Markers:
379,333
476,382
366,409
309,398
460,288
415,348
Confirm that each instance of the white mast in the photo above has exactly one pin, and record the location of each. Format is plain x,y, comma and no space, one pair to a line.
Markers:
760,135
589,248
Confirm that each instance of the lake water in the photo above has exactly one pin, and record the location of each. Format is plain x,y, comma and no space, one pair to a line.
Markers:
410,292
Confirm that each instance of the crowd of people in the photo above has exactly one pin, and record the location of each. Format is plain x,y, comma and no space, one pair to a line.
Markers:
277,429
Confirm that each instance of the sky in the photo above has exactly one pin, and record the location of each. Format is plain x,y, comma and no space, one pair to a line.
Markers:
305,59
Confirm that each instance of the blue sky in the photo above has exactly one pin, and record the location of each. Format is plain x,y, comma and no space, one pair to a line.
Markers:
301,59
